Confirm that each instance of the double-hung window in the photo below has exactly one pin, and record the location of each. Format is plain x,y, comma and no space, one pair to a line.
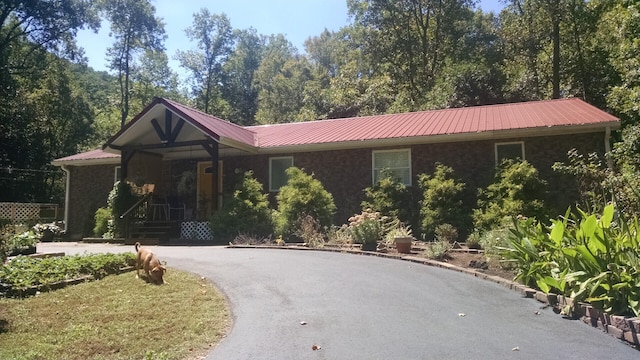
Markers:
509,150
395,162
277,172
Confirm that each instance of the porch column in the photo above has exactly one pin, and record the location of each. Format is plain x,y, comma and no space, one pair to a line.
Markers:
212,149
125,157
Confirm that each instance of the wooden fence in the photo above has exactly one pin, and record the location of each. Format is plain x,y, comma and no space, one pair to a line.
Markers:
29,212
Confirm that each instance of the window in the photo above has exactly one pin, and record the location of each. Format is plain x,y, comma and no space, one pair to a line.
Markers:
398,162
510,150
116,175
277,175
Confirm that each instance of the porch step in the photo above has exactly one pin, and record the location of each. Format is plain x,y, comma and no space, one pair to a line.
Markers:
151,232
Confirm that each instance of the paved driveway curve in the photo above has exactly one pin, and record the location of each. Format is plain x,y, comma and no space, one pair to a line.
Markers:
362,307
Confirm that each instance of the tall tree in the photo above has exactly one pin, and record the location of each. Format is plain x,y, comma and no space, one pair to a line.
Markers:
135,28
213,36
238,88
411,39
280,81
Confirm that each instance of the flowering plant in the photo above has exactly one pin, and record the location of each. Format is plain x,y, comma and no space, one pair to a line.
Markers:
24,240
51,227
367,228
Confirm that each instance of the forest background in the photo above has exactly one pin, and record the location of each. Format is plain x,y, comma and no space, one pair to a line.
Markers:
392,56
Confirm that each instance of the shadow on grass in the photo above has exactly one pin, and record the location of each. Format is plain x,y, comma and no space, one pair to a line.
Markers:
4,326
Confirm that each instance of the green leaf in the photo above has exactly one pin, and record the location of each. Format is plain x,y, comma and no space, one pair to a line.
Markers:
589,226
557,233
607,216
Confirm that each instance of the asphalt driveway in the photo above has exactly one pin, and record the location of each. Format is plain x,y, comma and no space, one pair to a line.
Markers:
362,307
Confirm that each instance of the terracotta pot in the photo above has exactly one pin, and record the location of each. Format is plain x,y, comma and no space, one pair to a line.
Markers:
403,244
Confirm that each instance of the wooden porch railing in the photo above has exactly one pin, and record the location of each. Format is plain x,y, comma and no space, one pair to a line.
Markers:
136,212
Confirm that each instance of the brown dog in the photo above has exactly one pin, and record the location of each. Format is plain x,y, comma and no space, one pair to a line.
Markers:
148,261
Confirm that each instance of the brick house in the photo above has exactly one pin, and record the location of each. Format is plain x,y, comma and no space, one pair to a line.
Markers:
168,142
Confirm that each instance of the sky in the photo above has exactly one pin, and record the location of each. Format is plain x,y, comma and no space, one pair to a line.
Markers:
296,19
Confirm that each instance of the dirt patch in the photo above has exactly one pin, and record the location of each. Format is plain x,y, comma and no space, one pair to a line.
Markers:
479,262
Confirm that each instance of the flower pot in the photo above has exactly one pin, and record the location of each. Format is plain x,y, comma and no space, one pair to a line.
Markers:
47,236
369,246
403,244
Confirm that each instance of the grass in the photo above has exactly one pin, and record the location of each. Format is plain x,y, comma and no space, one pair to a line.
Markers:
118,317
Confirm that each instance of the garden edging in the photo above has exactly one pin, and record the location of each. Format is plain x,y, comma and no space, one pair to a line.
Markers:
623,328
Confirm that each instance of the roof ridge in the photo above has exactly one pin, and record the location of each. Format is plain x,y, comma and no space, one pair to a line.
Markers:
174,103
411,112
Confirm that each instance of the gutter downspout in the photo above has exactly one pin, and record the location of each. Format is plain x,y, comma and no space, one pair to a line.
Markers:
66,195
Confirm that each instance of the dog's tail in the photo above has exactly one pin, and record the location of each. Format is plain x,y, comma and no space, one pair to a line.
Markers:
137,246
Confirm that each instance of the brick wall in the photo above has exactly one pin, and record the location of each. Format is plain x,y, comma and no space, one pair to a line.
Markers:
346,173
88,190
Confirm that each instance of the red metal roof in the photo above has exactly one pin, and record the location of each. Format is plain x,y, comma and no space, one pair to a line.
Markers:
216,127
548,114
528,115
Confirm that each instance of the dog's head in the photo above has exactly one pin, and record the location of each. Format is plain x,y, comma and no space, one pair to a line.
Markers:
157,273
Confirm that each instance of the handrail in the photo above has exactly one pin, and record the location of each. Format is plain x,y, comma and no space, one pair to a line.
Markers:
136,205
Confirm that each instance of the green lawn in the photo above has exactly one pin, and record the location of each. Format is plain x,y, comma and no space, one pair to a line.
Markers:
118,317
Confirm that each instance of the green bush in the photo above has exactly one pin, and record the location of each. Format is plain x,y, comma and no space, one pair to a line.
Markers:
301,196
121,198
517,190
246,212
437,250
590,258
389,197
442,201
446,232
102,219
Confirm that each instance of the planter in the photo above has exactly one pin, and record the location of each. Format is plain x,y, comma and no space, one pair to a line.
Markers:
403,244
23,251
47,236
370,246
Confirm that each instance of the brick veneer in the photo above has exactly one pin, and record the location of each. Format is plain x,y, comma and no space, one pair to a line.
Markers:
346,173
88,190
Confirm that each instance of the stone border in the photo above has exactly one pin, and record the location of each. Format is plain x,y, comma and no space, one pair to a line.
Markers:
623,328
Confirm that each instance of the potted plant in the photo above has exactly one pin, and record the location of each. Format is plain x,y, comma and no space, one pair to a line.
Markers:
47,231
23,244
366,229
402,237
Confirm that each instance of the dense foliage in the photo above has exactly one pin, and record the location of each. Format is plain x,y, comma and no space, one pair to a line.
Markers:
246,212
589,257
393,56
441,202
23,272
302,196
390,197
517,190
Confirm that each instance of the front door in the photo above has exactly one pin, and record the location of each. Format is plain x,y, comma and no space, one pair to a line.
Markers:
205,188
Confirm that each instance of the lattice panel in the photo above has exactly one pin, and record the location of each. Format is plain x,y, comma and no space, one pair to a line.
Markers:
196,230
19,211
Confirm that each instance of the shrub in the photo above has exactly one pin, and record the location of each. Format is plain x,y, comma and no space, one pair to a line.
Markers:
437,250
340,236
301,196
389,197
246,212
104,223
121,198
446,232
441,201
590,258
308,230
517,190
